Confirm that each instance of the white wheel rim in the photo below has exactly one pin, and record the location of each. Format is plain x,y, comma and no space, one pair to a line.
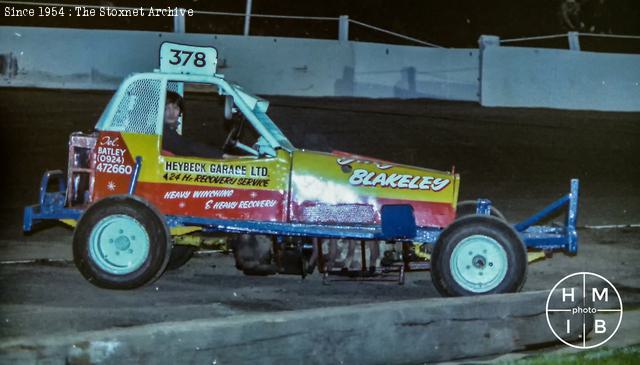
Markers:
479,263
119,244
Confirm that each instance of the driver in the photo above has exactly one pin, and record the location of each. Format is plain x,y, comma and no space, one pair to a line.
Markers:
172,141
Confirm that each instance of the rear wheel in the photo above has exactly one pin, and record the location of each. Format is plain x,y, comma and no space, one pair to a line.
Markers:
478,255
121,243
468,207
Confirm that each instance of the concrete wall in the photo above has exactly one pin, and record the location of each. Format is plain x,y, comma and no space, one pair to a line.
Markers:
511,76
99,59
398,332
564,79
415,72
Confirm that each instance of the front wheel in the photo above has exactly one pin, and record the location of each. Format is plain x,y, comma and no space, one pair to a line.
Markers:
121,243
478,255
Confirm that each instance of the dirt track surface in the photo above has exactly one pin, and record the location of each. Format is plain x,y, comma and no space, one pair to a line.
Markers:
38,299
522,159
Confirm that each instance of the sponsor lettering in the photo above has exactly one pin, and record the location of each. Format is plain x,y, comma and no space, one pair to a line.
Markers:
112,168
253,182
111,159
111,151
224,180
220,180
248,204
175,166
108,141
210,204
213,194
176,176
243,204
259,171
228,170
177,195
216,169
361,177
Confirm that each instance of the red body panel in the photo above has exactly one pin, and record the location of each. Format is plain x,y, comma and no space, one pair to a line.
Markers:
322,190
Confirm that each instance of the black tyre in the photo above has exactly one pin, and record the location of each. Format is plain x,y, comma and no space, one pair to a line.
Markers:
478,255
468,207
180,255
121,242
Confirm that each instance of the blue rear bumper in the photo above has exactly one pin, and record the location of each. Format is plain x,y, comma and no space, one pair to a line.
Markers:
51,204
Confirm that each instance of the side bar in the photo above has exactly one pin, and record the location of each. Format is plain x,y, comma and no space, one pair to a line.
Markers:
134,177
572,217
33,214
547,211
550,238
423,234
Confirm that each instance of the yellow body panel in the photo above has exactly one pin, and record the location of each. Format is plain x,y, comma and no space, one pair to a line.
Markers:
377,178
241,172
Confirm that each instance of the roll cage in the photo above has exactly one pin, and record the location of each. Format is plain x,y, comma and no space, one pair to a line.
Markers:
146,92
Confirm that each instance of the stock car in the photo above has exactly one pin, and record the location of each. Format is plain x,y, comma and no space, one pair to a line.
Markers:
287,209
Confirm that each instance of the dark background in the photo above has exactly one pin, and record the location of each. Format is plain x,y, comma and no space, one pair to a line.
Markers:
453,23
521,158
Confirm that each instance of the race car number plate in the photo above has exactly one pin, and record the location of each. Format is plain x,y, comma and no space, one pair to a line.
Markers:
183,59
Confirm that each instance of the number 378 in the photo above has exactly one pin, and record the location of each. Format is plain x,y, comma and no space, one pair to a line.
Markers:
181,57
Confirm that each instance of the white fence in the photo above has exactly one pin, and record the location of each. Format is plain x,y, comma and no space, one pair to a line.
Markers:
99,59
551,78
509,76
